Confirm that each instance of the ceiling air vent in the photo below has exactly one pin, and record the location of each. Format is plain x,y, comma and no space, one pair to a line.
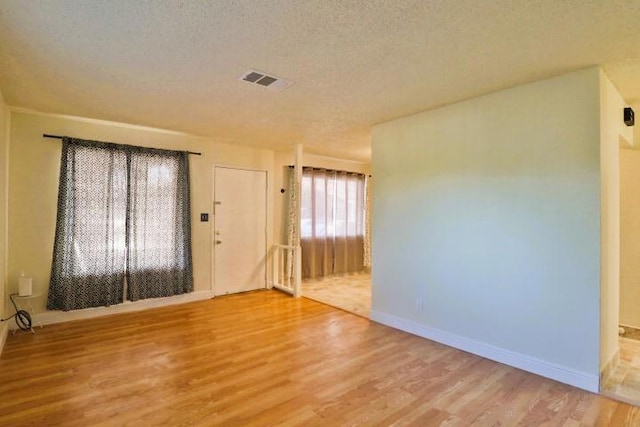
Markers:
270,82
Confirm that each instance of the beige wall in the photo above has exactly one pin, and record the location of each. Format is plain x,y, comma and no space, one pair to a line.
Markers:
282,161
34,174
4,158
630,237
486,226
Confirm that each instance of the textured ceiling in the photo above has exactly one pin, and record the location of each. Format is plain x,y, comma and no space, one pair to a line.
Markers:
175,64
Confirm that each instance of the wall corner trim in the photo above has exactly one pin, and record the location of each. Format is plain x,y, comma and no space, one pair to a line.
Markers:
4,331
609,367
536,366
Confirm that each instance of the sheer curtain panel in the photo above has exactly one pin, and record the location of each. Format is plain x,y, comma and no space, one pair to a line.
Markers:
331,222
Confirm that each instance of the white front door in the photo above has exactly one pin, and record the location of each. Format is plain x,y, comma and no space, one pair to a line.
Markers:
239,232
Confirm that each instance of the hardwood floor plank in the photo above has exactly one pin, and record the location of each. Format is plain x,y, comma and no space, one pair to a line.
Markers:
264,358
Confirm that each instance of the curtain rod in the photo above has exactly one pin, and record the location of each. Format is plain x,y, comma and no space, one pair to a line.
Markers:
335,170
46,135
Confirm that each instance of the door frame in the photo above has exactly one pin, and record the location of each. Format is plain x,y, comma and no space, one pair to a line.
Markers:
212,222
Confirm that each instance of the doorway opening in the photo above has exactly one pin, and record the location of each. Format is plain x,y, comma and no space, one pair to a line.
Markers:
334,235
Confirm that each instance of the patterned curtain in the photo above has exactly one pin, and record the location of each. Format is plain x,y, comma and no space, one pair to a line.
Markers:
367,223
119,210
292,210
89,249
159,224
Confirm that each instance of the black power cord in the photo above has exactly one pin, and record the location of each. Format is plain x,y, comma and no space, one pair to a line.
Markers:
23,318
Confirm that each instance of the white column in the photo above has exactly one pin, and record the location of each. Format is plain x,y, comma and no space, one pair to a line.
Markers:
297,289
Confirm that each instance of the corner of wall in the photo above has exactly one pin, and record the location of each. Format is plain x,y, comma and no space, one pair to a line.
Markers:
4,205
610,95
583,380
4,331
612,132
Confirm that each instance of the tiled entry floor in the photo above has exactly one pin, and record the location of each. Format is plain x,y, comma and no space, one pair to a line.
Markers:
624,383
349,292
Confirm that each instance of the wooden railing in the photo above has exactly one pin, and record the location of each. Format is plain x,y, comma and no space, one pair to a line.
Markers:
287,265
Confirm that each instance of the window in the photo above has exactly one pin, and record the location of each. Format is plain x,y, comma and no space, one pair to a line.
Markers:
331,222
122,212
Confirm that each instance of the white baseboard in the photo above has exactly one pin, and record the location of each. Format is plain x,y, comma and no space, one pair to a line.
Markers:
50,317
540,367
4,331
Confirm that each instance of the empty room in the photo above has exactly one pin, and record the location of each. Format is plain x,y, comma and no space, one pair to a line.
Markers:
319,213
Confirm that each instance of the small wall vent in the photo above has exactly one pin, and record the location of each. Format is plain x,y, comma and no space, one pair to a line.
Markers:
268,81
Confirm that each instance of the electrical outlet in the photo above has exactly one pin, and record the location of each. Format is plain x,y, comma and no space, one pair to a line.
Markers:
419,305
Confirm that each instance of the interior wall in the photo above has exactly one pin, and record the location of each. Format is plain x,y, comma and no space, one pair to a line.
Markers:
613,134
630,237
486,225
34,176
4,158
282,161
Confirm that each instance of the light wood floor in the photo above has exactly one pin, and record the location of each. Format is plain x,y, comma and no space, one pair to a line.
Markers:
267,359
